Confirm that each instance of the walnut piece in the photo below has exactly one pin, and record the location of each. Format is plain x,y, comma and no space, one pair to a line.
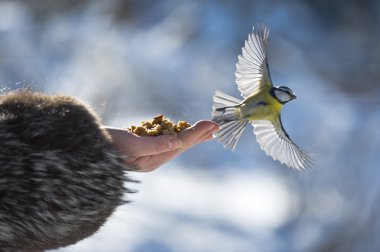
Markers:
159,126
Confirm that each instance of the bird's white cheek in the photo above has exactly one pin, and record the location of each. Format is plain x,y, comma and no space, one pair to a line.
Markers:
282,96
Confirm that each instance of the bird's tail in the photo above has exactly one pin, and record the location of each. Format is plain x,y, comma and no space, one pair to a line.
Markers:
225,112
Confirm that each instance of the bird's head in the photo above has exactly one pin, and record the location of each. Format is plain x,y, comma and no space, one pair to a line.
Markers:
283,94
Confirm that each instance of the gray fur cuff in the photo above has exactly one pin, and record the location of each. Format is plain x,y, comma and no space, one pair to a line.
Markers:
60,179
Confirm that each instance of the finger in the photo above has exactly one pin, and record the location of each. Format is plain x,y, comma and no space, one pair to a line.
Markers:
146,146
150,163
207,136
200,130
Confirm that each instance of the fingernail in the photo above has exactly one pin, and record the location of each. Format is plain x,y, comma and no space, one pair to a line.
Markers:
174,143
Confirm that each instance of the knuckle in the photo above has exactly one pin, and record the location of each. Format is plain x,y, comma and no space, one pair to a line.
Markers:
160,145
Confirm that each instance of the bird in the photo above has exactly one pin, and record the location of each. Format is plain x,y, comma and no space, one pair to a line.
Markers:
261,106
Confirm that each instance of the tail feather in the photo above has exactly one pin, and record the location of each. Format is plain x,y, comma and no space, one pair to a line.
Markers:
224,108
224,100
226,115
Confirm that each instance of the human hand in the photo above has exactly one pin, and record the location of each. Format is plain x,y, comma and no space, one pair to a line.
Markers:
146,153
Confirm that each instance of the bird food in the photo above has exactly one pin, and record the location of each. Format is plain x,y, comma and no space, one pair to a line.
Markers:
159,126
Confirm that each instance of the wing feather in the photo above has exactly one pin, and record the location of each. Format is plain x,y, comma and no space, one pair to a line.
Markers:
252,73
230,132
274,140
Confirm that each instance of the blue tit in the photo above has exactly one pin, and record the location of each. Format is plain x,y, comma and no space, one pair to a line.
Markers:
260,107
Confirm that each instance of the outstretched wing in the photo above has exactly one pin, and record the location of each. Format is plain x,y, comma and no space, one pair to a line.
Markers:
252,72
274,140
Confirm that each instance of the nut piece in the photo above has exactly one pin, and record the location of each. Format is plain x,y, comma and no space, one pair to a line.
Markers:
159,126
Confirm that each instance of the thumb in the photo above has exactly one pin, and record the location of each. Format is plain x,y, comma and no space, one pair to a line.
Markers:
155,145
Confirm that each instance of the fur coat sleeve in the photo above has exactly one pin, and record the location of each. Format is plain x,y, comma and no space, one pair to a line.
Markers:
60,179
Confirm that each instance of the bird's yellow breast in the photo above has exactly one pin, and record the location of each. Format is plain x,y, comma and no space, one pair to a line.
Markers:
261,106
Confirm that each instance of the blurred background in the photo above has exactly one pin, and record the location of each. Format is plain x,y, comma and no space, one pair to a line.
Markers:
132,60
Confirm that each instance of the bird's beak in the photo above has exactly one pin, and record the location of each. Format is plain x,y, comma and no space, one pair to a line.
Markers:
294,96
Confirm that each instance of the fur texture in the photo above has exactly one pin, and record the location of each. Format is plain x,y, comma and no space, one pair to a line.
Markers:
60,179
